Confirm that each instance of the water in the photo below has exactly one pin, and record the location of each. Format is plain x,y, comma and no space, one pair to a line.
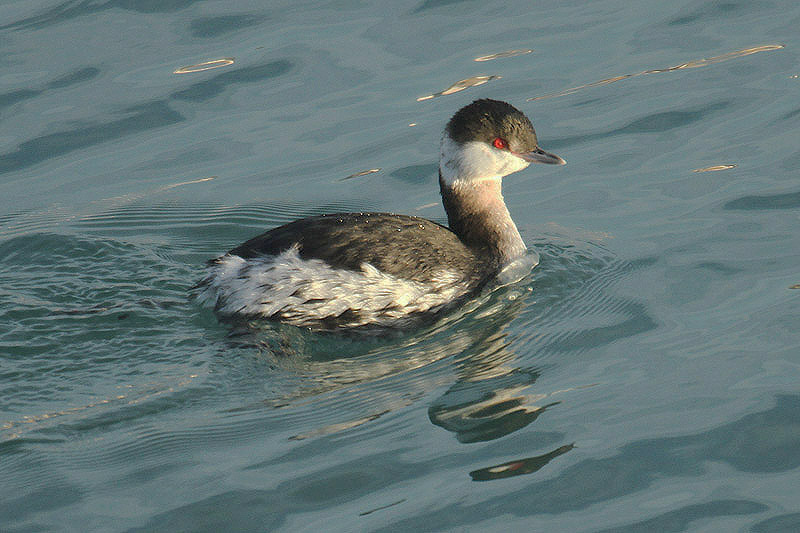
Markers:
643,378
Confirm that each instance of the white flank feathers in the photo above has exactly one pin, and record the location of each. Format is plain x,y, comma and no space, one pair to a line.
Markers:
307,292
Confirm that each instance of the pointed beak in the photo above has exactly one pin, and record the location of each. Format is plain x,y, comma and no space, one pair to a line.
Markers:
540,156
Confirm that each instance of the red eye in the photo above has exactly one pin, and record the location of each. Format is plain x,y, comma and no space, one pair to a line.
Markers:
500,144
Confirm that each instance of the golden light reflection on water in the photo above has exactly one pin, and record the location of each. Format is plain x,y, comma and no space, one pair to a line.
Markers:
362,173
207,65
502,55
697,63
182,183
460,86
715,168
337,428
33,422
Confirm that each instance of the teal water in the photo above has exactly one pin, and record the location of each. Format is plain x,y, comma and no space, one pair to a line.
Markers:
643,378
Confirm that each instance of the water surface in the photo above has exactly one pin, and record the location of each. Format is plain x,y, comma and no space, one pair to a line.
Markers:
643,377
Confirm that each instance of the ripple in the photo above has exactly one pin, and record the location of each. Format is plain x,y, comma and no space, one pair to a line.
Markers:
86,317
207,228
152,114
697,63
31,221
757,443
650,123
432,4
39,149
759,202
417,174
361,174
503,55
778,524
460,86
341,383
206,65
66,11
715,168
209,88
681,519
574,309
66,80
211,27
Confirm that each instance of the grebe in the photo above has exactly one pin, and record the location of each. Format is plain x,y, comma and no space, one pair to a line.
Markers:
380,270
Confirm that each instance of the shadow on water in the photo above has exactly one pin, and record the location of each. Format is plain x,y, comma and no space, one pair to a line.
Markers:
71,10
709,11
652,123
770,201
210,27
71,78
416,174
682,518
135,119
207,89
778,524
433,4
139,118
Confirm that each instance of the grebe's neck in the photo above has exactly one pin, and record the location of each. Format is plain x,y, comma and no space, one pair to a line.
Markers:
477,213
470,180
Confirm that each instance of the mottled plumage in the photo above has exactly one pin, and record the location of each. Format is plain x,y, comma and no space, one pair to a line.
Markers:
381,270
409,247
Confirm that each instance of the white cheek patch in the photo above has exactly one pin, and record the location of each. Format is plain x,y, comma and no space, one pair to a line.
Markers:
310,292
474,161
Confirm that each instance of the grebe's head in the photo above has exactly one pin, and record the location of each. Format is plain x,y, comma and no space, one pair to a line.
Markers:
489,139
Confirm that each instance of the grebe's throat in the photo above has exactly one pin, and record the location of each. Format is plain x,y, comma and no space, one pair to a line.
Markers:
470,181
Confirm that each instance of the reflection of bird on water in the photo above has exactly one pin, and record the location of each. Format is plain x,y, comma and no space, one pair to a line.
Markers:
480,411
491,397
518,467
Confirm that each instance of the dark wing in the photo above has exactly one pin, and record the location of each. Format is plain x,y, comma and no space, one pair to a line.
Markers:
404,246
